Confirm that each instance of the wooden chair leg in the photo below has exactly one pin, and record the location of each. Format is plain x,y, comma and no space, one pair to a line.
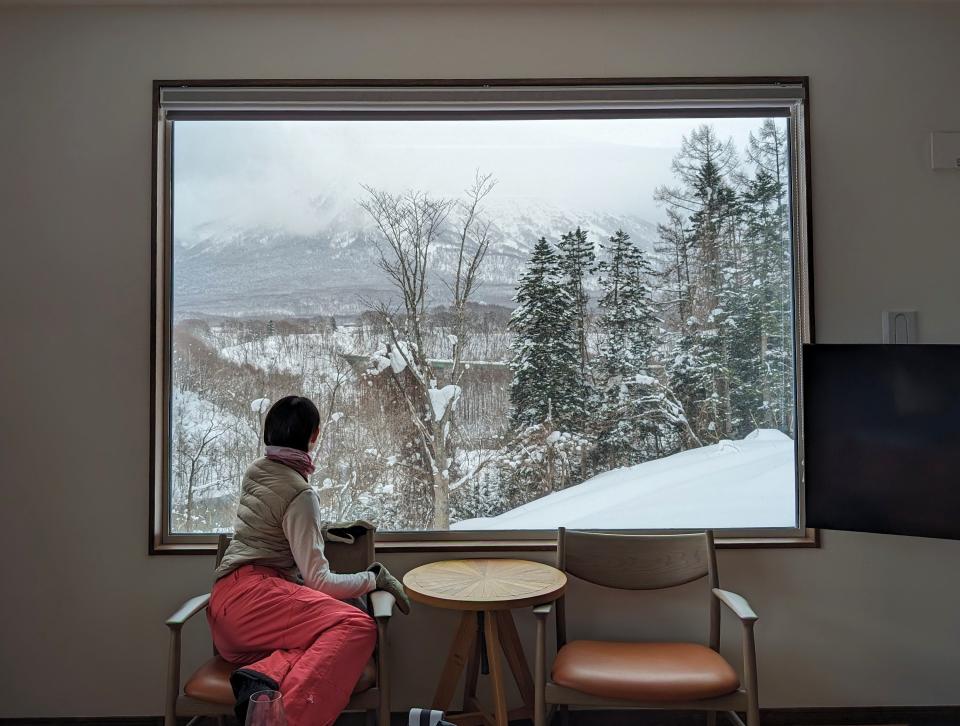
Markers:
750,673
173,680
540,717
382,714
711,718
383,675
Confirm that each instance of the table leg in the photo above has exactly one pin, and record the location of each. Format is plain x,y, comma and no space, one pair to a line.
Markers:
456,659
473,671
500,637
492,632
513,650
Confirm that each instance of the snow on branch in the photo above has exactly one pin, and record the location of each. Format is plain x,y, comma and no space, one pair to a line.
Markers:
443,398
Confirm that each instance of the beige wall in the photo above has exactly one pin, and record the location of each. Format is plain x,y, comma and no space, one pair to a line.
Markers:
865,620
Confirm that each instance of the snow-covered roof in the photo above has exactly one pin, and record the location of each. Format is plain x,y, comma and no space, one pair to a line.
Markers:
746,483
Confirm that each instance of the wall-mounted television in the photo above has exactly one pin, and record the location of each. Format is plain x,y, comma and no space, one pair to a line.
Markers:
882,438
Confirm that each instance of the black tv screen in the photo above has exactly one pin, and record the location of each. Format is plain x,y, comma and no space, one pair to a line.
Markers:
882,438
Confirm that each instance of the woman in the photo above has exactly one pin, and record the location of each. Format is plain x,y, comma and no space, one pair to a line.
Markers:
276,609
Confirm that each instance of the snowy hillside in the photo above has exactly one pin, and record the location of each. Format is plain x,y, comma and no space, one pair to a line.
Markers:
744,483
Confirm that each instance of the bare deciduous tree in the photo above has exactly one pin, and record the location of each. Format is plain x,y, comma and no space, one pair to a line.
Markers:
410,225
191,446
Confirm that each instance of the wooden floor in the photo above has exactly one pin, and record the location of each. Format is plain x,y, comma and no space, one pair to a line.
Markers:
918,716
880,716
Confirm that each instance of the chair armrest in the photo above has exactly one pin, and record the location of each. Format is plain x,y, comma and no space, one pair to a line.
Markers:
542,611
741,608
737,604
382,603
190,608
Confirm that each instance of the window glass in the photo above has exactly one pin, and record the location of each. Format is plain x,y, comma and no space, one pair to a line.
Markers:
505,324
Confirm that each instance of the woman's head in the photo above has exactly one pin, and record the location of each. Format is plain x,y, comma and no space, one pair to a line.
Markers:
293,421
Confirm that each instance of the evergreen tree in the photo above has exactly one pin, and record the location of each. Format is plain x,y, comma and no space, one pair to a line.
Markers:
744,301
755,294
705,168
633,418
545,353
627,316
577,259
537,461
763,362
674,269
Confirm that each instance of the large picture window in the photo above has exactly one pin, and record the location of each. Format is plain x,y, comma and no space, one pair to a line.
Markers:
517,306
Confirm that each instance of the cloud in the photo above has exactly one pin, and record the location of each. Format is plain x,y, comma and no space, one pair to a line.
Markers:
242,174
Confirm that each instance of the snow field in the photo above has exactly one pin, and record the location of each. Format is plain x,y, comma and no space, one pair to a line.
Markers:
731,484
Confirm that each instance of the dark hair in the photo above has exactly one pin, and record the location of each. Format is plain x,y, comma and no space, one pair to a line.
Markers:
291,422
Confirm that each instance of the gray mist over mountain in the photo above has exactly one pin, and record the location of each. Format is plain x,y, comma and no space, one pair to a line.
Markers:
269,173
266,215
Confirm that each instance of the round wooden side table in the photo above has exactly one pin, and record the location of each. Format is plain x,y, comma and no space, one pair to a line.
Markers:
485,590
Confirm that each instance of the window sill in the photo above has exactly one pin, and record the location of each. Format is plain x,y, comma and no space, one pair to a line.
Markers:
809,539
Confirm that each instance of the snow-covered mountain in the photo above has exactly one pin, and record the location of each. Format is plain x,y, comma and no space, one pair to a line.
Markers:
223,270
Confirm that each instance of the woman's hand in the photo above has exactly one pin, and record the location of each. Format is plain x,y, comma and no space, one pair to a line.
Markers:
389,583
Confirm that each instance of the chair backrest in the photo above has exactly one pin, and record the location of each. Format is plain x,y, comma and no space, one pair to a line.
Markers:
637,561
353,556
223,541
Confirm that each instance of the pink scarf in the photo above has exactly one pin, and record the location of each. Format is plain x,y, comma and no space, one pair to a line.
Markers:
297,460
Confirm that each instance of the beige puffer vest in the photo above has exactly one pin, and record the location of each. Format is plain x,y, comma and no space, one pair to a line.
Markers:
268,489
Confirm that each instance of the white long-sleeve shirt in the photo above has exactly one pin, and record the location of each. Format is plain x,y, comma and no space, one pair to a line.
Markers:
301,525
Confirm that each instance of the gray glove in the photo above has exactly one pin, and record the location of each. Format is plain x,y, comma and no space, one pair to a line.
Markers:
389,583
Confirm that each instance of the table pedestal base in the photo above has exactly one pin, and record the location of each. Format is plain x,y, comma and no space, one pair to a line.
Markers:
481,638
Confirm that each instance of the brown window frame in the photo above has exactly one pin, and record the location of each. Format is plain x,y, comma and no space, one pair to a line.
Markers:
220,104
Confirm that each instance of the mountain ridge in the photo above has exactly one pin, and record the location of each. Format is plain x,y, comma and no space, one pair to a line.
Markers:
256,271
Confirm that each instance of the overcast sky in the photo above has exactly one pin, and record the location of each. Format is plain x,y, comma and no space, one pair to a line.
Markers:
269,173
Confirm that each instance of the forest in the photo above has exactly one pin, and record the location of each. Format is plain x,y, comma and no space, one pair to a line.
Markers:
439,407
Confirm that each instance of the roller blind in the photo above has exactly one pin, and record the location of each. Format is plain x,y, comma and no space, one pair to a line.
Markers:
774,98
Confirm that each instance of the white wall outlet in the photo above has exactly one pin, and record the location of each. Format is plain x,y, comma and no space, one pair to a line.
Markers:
900,326
945,150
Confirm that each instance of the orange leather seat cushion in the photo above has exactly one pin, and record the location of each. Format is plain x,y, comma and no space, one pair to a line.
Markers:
211,681
649,672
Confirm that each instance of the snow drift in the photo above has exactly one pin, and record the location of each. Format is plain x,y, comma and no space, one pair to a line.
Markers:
746,483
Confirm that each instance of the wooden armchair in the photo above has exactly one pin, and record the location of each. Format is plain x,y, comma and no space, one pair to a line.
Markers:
674,676
207,693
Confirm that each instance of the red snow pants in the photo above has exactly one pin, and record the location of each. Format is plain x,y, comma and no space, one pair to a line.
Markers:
313,645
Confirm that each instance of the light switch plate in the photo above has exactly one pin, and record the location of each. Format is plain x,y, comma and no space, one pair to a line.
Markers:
945,150
900,326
